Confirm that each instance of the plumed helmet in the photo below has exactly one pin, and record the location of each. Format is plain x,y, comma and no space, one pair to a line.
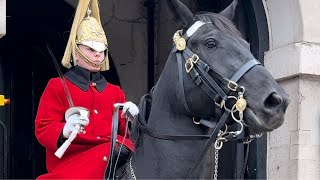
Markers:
90,33
86,30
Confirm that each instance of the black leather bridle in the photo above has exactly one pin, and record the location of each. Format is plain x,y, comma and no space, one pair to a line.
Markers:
201,73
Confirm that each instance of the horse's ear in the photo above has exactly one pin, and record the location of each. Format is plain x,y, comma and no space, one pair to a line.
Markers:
229,11
181,11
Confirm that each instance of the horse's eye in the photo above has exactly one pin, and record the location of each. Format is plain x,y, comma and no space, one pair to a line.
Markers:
211,43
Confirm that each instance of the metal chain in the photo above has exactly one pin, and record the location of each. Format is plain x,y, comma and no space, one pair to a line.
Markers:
131,170
216,161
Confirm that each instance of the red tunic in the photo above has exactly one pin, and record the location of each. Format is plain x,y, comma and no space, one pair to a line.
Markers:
84,159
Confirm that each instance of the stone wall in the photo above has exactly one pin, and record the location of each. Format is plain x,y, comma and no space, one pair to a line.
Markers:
2,18
293,59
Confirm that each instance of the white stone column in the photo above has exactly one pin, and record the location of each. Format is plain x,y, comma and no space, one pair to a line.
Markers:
294,60
2,18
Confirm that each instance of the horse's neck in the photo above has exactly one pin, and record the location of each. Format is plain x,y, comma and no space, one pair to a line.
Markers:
158,158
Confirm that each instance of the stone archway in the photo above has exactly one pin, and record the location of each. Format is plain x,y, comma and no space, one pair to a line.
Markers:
293,59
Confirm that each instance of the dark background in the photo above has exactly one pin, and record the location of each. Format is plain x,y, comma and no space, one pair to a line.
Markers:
26,67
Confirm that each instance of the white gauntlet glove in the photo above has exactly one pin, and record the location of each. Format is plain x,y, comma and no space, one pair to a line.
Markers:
76,118
129,109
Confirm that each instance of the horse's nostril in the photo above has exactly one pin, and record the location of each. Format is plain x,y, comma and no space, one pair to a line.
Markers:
273,101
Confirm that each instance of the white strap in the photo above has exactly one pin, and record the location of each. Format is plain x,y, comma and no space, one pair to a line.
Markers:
194,28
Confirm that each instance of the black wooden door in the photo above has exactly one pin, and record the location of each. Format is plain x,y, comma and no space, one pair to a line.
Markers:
5,82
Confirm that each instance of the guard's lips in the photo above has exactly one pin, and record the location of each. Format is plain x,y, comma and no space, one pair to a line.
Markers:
254,122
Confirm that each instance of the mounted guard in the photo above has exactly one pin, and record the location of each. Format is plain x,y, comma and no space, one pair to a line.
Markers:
74,117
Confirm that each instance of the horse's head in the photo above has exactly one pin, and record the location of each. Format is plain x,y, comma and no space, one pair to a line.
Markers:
217,42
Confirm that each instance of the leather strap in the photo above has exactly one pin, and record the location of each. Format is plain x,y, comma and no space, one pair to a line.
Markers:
209,142
181,86
144,129
114,133
244,69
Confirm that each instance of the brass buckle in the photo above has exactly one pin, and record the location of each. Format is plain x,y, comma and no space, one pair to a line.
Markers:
232,85
188,65
195,58
189,62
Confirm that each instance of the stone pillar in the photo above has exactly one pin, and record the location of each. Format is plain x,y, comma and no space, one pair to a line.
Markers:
294,60
2,18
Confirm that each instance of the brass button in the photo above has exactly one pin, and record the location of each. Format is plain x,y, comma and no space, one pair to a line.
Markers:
105,159
95,111
98,137
93,84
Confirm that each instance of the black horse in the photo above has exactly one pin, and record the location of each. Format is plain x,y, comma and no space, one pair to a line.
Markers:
203,86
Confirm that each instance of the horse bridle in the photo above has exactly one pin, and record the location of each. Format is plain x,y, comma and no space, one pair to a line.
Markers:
200,74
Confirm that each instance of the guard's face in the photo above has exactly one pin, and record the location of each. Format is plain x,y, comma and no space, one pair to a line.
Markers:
94,56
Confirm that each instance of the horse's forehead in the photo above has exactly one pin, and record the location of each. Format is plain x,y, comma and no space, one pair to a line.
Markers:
210,30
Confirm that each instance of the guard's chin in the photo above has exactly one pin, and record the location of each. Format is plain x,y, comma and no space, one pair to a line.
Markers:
255,123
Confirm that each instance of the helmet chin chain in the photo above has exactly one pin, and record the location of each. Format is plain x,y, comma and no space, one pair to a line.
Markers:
87,59
223,136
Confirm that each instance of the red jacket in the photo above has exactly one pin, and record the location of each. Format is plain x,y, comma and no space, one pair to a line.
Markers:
85,157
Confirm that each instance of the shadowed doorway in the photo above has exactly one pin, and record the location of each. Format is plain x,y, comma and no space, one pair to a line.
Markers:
28,67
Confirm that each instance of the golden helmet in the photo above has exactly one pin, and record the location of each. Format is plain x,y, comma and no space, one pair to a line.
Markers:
86,30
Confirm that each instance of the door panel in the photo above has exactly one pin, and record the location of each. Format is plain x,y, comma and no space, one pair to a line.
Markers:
4,120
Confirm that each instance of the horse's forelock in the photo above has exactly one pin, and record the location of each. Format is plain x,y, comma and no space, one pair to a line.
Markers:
219,21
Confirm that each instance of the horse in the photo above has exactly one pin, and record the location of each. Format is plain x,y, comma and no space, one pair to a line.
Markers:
210,78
